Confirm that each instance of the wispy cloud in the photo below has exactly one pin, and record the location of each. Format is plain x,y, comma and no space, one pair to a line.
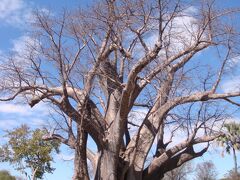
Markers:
184,30
14,108
23,109
135,118
235,60
233,63
6,124
232,85
14,12
17,121
21,43
65,157
13,115
24,47
38,122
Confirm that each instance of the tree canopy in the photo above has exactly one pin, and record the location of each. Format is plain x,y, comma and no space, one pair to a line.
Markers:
231,140
26,149
5,175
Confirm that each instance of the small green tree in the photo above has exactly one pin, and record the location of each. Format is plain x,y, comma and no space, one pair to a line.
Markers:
231,141
5,175
27,150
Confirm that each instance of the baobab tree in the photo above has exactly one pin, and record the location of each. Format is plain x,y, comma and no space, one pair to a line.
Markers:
163,59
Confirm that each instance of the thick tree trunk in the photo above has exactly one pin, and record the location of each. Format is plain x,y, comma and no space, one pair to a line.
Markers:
80,159
106,168
133,174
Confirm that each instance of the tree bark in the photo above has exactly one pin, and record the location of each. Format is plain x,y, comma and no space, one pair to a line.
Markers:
33,176
80,160
106,168
235,161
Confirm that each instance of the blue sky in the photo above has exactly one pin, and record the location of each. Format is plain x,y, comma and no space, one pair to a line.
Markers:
13,15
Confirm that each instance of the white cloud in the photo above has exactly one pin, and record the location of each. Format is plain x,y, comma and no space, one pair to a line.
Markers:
22,44
179,34
136,117
14,108
23,109
24,47
19,44
183,31
13,115
232,85
37,122
14,12
232,120
6,124
191,10
65,157
235,60
17,121
7,7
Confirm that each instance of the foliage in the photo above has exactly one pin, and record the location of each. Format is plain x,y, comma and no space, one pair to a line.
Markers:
5,175
206,171
26,149
231,139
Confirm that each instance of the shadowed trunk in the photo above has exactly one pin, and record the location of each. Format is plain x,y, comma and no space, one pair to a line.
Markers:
106,167
80,160
235,161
